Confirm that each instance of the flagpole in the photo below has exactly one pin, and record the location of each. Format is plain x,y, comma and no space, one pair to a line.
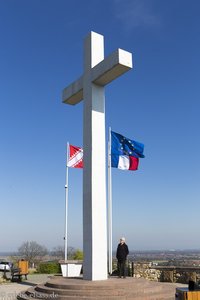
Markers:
109,206
66,204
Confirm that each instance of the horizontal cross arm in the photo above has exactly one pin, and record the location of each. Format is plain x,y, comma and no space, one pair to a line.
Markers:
103,73
74,92
112,67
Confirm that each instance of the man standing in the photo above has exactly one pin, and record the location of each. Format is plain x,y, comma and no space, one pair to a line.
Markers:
122,252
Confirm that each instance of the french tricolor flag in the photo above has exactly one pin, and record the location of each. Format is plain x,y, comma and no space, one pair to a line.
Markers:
125,152
124,162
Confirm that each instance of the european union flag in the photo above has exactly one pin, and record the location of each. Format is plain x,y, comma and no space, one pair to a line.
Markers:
120,145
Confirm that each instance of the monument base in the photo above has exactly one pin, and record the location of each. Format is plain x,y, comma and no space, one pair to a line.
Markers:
71,268
113,288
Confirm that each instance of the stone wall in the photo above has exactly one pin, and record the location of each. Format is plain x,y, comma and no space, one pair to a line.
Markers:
145,270
164,273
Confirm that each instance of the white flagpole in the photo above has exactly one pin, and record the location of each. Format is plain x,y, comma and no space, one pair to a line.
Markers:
66,204
109,206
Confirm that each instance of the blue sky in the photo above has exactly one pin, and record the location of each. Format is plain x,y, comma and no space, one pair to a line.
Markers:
157,103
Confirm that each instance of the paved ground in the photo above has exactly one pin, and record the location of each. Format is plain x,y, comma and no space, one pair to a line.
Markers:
9,291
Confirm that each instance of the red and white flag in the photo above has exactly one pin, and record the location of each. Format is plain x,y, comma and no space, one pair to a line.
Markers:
75,157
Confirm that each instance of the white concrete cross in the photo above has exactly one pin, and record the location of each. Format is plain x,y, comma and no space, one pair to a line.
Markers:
90,86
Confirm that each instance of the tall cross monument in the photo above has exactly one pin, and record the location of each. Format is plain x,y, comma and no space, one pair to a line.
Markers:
90,86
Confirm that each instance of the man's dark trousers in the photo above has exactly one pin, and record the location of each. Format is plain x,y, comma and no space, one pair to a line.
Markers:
122,268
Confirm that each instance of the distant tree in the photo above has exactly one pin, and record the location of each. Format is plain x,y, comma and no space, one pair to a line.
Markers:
32,251
58,253
70,252
78,255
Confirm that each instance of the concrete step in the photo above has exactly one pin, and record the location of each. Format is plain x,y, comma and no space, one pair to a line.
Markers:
81,292
70,283
147,297
141,297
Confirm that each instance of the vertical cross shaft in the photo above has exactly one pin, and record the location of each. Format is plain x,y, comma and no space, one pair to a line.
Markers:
94,182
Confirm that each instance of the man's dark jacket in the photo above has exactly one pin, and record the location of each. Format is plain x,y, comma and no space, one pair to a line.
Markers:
122,252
